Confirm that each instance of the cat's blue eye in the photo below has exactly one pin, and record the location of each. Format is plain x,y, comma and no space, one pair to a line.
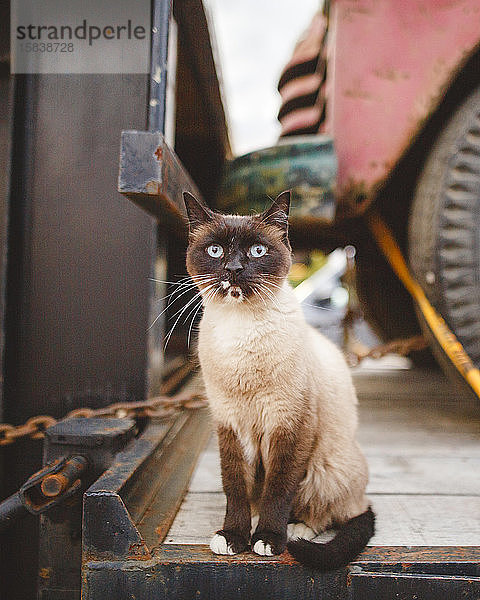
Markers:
258,250
215,251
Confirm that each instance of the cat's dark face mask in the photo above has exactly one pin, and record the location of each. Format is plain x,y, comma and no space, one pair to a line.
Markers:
235,258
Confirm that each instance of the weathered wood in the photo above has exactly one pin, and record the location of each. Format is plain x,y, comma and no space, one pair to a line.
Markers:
388,474
423,447
393,470
423,475
401,520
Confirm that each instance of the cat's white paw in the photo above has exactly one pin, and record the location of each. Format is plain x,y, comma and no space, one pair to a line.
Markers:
263,548
300,531
219,545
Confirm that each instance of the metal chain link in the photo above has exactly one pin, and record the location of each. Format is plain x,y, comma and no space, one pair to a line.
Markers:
162,407
158,407
402,347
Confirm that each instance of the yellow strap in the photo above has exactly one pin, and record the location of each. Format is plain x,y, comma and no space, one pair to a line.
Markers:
447,340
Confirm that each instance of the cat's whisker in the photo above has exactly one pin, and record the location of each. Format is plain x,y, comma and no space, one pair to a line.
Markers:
179,281
155,320
199,292
210,295
274,285
186,282
274,300
259,294
182,310
261,290
215,292
171,294
195,297
171,301
191,324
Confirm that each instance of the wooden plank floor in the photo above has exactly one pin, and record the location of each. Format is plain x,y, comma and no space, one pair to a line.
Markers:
422,441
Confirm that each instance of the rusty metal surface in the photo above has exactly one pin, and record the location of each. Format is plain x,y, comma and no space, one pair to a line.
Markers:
306,165
440,560
402,559
152,176
181,578
141,491
97,441
55,484
383,94
195,572
172,468
365,586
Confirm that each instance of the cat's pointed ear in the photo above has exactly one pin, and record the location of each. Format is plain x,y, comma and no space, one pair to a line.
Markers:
277,214
196,211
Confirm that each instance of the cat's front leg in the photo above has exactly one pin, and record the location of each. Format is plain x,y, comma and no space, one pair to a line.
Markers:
287,457
235,535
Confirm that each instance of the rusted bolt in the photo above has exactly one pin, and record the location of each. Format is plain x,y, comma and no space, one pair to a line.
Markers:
57,483
53,485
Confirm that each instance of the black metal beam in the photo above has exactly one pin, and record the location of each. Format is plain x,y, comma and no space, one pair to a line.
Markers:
385,586
152,176
195,572
128,511
80,258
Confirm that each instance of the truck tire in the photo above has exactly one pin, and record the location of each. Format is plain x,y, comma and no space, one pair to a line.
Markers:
444,227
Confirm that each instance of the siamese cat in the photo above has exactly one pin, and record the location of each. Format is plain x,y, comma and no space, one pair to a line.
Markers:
280,394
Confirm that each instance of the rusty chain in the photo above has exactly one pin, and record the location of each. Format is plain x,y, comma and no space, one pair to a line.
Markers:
401,347
166,406
158,407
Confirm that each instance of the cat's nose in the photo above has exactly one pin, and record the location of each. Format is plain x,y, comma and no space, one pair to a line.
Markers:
233,265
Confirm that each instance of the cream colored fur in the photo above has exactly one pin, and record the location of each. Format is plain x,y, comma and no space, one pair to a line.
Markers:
263,366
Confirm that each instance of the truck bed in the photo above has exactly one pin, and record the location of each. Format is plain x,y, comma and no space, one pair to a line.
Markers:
422,442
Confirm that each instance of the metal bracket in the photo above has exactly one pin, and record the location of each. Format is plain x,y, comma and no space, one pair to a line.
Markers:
152,176
97,441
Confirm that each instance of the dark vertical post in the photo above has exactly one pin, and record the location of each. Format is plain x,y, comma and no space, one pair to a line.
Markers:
78,293
161,11
6,123
157,96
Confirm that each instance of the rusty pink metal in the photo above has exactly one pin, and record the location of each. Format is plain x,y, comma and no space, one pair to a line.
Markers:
392,61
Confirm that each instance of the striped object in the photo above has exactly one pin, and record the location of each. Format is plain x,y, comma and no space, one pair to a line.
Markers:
302,81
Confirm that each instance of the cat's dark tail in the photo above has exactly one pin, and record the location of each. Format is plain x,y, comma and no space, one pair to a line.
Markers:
350,540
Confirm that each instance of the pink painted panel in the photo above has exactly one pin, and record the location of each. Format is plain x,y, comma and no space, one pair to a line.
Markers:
392,60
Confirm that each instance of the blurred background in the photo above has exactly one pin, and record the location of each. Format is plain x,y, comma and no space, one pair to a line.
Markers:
254,42
368,111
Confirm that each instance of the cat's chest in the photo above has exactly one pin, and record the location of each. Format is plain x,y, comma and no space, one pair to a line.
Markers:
237,343
238,356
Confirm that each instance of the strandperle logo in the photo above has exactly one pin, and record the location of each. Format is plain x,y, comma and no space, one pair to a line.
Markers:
68,36
85,31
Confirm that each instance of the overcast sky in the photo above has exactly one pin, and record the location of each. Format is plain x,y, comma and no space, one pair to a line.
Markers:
255,39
